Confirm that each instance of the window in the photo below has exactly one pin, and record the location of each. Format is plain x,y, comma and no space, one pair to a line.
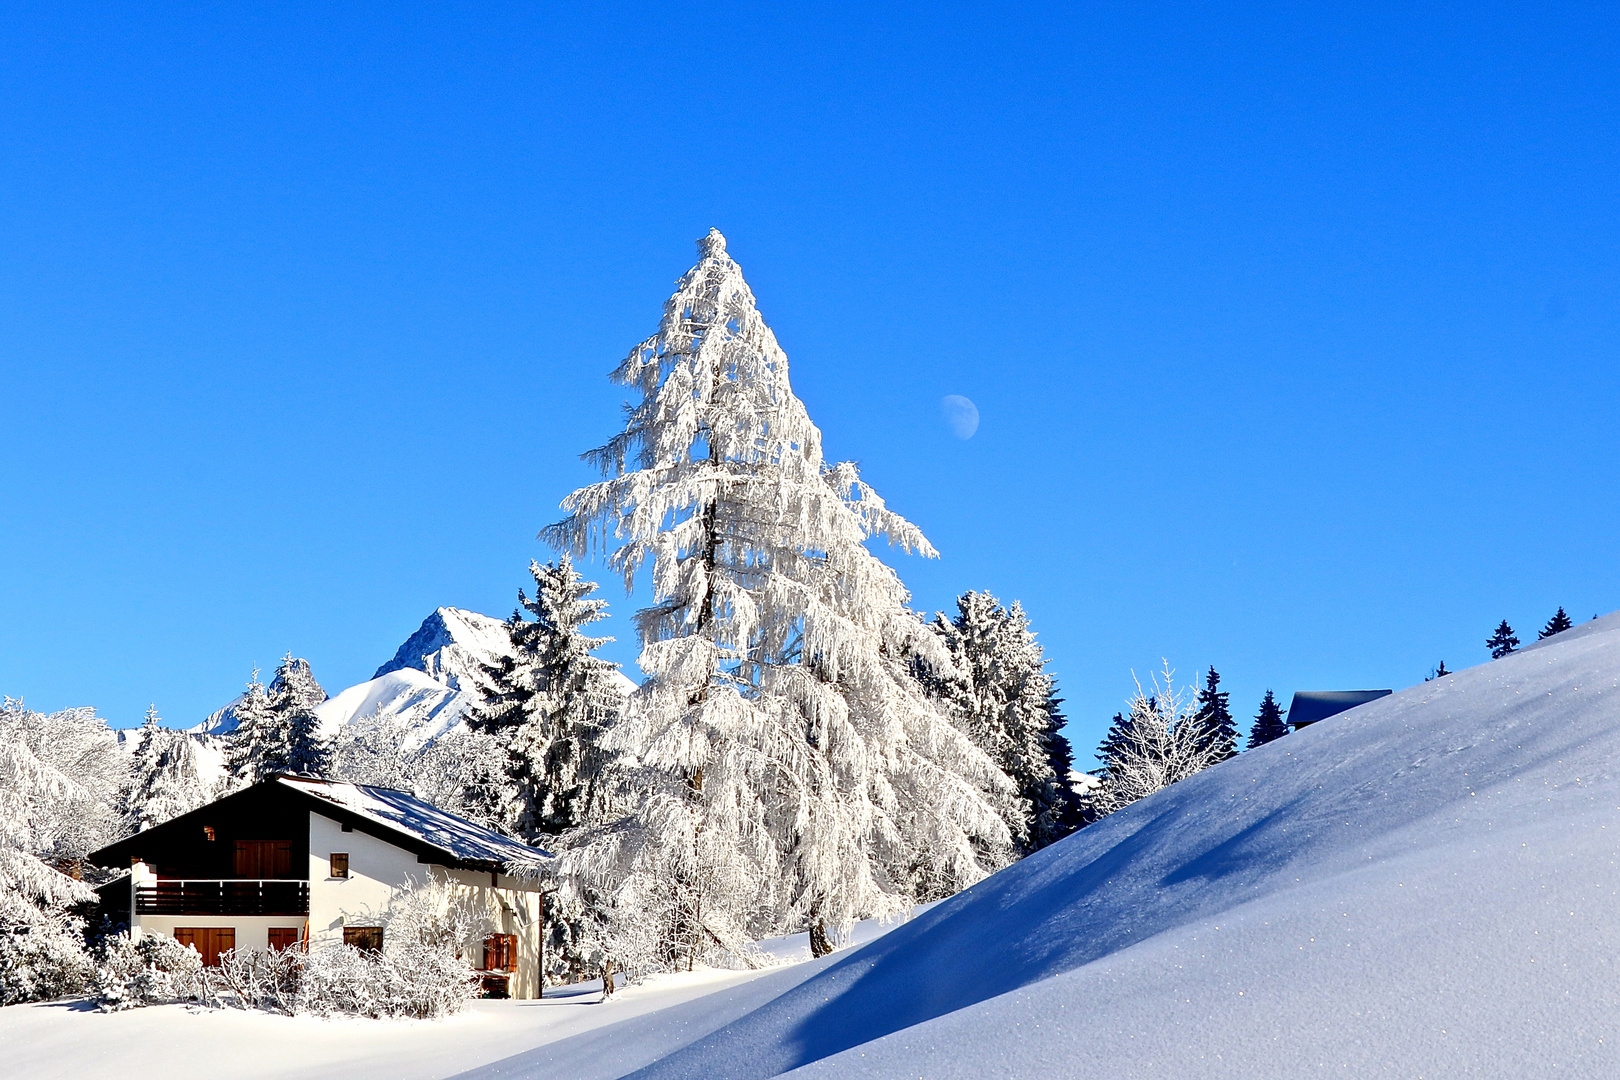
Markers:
340,863
283,937
208,832
209,941
368,938
500,952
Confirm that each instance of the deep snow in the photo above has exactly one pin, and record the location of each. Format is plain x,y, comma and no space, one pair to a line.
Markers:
1425,886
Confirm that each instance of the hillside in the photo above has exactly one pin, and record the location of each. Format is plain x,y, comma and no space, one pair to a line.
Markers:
1423,886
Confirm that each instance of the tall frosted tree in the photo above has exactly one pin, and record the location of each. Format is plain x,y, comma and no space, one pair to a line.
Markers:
1268,723
1502,641
793,771
165,780
1214,718
549,701
40,951
1557,624
999,694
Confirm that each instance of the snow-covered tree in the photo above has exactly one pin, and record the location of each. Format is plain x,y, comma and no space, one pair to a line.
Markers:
41,950
1214,717
791,770
277,729
1502,641
1557,624
1000,695
165,780
1157,744
548,702
1268,722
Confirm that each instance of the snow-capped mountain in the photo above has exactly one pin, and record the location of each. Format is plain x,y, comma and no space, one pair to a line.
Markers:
428,687
451,646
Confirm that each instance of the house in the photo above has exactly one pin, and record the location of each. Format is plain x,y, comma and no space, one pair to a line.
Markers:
300,860
1309,706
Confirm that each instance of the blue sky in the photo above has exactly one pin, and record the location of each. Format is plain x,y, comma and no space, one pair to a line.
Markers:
1292,332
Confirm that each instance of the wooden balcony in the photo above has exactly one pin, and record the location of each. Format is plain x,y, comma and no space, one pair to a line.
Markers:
223,896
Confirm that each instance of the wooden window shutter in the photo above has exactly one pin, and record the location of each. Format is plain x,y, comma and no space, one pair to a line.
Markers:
369,938
500,952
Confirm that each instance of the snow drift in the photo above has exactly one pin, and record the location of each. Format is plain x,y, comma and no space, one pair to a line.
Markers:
1426,885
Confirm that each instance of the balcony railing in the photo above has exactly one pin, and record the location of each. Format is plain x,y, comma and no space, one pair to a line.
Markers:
223,896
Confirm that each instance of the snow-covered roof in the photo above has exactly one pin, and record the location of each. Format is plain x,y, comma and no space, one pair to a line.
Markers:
406,814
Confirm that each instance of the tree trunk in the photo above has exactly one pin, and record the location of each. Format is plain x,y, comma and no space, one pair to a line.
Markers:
607,979
820,941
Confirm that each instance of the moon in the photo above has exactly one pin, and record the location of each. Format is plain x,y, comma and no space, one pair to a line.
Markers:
961,415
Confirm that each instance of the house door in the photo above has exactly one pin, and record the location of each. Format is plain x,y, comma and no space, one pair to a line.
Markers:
263,859
210,941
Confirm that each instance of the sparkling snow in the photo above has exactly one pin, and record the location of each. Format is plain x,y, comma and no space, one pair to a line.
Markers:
1425,886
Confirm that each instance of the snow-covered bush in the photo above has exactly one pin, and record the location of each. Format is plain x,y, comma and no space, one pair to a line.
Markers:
150,970
256,979
38,963
420,971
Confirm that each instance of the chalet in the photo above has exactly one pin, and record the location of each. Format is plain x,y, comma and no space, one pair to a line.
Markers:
1309,706
295,860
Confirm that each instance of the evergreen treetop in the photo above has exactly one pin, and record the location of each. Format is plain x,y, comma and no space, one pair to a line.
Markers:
1556,625
1268,722
1214,718
1502,642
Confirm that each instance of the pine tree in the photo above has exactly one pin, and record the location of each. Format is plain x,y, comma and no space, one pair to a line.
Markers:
166,780
1438,673
793,773
1001,697
1557,624
1268,723
549,702
277,730
255,738
1502,642
1214,718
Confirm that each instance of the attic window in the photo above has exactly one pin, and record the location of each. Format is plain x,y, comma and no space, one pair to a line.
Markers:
340,864
208,832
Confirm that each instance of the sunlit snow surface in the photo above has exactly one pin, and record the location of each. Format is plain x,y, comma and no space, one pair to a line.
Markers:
1425,886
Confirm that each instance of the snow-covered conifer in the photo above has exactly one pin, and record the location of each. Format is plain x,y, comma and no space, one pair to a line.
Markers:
792,772
548,702
41,952
277,729
1268,722
165,780
1160,743
999,693
1214,717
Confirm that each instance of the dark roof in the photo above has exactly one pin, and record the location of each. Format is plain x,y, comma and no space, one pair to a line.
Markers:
1309,706
433,835
410,816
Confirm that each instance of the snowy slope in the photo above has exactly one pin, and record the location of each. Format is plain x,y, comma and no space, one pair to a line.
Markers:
427,707
1427,885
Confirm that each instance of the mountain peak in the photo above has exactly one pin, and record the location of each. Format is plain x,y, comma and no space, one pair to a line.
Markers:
451,646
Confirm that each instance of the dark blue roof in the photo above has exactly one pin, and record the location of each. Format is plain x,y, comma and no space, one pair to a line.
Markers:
1312,705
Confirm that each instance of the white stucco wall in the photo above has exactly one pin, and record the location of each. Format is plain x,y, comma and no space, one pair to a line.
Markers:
252,931
378,870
